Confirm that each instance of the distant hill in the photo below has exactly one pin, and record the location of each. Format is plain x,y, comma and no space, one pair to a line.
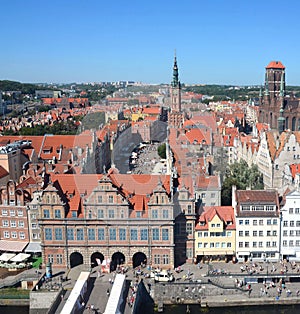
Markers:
25,88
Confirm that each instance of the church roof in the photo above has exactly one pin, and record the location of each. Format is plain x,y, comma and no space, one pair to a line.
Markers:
275,65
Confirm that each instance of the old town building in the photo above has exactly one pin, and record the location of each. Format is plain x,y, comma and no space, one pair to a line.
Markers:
257,224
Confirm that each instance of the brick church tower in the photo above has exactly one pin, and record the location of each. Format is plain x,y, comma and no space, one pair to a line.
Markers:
272,99
279,111
175,116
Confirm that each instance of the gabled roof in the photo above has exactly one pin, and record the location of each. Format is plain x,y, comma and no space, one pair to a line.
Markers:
225,213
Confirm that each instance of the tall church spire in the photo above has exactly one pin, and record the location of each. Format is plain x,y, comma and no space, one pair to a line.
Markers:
175,81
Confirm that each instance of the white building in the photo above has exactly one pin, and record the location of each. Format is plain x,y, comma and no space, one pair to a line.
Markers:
290,231
257,224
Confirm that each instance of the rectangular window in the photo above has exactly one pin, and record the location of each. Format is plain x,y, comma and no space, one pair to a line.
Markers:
285,223
12,213
291,210
101,234
285,233
156,259
100,213
165,214
48,233
144,234
46,213
13,223
4,212
274,233
254,244
260,244
291,243
165,259
229,233
268,233
241,222
274,221
189,228
268,244
20,213
111,213
110,199
212,245
247,233
21,224
261,233
14,234
292,223
70,234
58,234
269,222
59,259
261,222
74,213
228,244
91,234
200,245
241,244
133,234
122,234
274,244
155,234
296,210
138,214
112,234
154,214
254,222
50,258
6,234
165,234
247,222
57,213
99,198
241,233
246,244
284,243
255,233
79,234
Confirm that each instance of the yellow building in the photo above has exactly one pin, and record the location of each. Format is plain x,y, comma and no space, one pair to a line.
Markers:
215,234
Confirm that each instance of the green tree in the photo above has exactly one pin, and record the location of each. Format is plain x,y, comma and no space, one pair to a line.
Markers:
161,150
242,176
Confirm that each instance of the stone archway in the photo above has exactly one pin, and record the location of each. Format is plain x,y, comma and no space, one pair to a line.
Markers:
96,259
76,259
138,259
117,258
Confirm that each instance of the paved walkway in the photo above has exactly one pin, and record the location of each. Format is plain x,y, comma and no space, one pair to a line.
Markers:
194,277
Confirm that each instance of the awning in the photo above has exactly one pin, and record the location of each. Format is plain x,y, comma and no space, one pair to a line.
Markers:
33,247
21,257
288,252
5,257
12,246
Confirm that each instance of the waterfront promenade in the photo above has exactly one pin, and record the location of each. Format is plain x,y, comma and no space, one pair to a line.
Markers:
215,284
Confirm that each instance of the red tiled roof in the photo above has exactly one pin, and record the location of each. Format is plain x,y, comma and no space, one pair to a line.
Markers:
275,65
225,213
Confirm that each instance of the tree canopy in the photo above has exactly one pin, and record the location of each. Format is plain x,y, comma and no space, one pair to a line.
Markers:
161,150
243,177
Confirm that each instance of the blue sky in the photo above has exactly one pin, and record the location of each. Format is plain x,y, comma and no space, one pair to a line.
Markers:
217,41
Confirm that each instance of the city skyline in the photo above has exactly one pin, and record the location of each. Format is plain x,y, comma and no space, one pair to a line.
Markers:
217,43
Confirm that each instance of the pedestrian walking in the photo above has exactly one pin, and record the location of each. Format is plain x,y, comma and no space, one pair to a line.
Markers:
107,292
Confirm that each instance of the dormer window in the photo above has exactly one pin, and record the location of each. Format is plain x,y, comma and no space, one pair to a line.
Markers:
47,150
